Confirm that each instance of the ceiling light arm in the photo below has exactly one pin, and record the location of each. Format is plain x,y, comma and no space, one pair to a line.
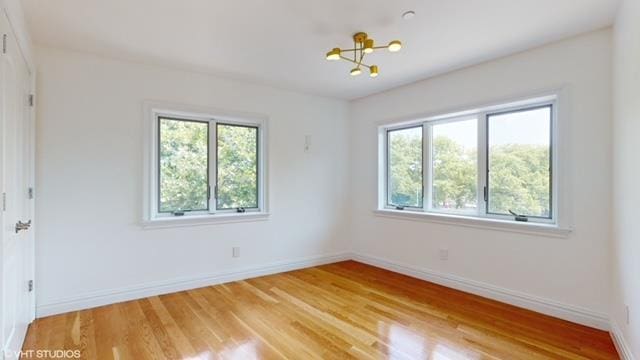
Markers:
355,53
361,57
353,61
357,49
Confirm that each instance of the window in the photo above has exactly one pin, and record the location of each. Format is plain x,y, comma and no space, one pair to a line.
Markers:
203,165
454,166
519,162
237,171
184,166
495,162
405,167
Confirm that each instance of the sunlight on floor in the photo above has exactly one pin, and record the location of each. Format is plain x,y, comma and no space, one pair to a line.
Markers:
245,350
445,352
405,343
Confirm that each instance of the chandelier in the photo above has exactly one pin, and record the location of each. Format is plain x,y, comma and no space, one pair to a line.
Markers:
362,45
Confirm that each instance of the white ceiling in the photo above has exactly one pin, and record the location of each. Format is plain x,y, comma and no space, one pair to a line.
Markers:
283,42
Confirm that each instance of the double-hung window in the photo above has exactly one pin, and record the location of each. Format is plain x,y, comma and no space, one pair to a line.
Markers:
495,162
202,166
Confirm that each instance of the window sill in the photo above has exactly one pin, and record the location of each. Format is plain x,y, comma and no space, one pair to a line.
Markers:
474,222
195,220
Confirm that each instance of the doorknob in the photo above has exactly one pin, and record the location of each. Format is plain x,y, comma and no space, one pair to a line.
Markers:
22,226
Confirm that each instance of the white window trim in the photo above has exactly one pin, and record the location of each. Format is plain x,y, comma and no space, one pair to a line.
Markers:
477,222
560,226
151,217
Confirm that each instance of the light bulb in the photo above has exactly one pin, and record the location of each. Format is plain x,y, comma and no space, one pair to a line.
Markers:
395,45
373,70
356,72
334,54
368,46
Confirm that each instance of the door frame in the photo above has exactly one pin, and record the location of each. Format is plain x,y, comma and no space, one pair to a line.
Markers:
30,176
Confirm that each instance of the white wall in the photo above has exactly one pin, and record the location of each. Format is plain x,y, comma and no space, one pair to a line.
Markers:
626,173
89,176
573,271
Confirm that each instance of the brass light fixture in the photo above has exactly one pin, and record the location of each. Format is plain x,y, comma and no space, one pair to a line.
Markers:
362,45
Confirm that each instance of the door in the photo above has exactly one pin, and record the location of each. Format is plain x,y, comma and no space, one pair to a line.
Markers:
15,180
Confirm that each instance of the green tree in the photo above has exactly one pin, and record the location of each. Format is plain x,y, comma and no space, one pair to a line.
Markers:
454,175
519,176
405,167
237,167
519,179
183,165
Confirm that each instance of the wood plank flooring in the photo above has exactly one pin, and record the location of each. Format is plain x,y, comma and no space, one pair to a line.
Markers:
338,311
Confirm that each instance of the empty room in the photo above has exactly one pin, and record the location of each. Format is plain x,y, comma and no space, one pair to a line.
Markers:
338,179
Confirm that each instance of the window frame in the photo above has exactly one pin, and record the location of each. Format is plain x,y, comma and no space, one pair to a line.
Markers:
215,170
552,210
388,182
481,113
159,170
429,164
153,111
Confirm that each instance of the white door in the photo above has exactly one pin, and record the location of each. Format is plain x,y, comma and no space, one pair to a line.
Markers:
15,180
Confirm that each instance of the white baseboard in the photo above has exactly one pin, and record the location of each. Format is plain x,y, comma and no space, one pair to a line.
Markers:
526,301
534,303
624,350
111,296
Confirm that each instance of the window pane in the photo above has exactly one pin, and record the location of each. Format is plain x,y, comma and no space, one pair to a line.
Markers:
454,159
520,162
237,167
183,165
405,167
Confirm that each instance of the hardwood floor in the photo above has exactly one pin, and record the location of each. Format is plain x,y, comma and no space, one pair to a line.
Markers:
337,311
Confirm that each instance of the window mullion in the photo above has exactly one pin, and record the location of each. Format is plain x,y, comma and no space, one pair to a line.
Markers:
386,170
427,179
155,170
382,169
482,163
213,165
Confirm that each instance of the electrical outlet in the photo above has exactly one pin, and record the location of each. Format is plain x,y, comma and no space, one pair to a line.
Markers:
628,315
236,251
444,254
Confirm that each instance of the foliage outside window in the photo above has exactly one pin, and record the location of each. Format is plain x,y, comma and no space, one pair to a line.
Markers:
405,167
519,165
491,164
454,164
184,183
237,166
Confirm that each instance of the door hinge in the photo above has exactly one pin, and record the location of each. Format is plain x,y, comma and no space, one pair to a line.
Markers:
30,193
486,194
4,43
30,285
4,201
31,100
